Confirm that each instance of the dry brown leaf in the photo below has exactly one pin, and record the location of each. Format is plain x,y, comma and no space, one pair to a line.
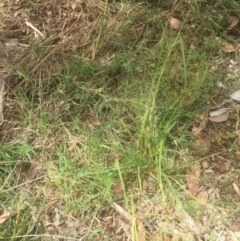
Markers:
154,237
141,237
203,196
108,224
236,188
193,185
5,132
141,232
236,96
174,23
164,237
235,226
220,112
52,230
221,118
4,216
228,48
71,223
233,22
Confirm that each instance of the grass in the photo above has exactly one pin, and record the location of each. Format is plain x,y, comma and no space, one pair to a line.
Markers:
115,115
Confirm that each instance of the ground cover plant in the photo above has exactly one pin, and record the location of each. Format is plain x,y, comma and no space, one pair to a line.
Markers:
119,120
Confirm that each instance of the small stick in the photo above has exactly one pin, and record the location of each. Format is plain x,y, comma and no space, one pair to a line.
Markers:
34,28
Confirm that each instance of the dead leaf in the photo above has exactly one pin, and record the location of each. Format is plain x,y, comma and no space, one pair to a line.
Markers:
193,185
166,237
108,224
219,119
236,96
52,230
141,237
71,223
5,132
155,237
228,48
141,231
235,226
236,188
4,216
203,196
175,23
219,115
233,22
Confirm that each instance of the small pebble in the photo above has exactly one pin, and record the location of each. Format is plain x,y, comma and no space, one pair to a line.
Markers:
205,165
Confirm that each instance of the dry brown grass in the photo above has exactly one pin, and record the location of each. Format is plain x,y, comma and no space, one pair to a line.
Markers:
85,30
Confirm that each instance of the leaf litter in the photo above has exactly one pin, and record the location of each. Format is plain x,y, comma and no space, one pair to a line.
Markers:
219,166
4,216
233,21
219,115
